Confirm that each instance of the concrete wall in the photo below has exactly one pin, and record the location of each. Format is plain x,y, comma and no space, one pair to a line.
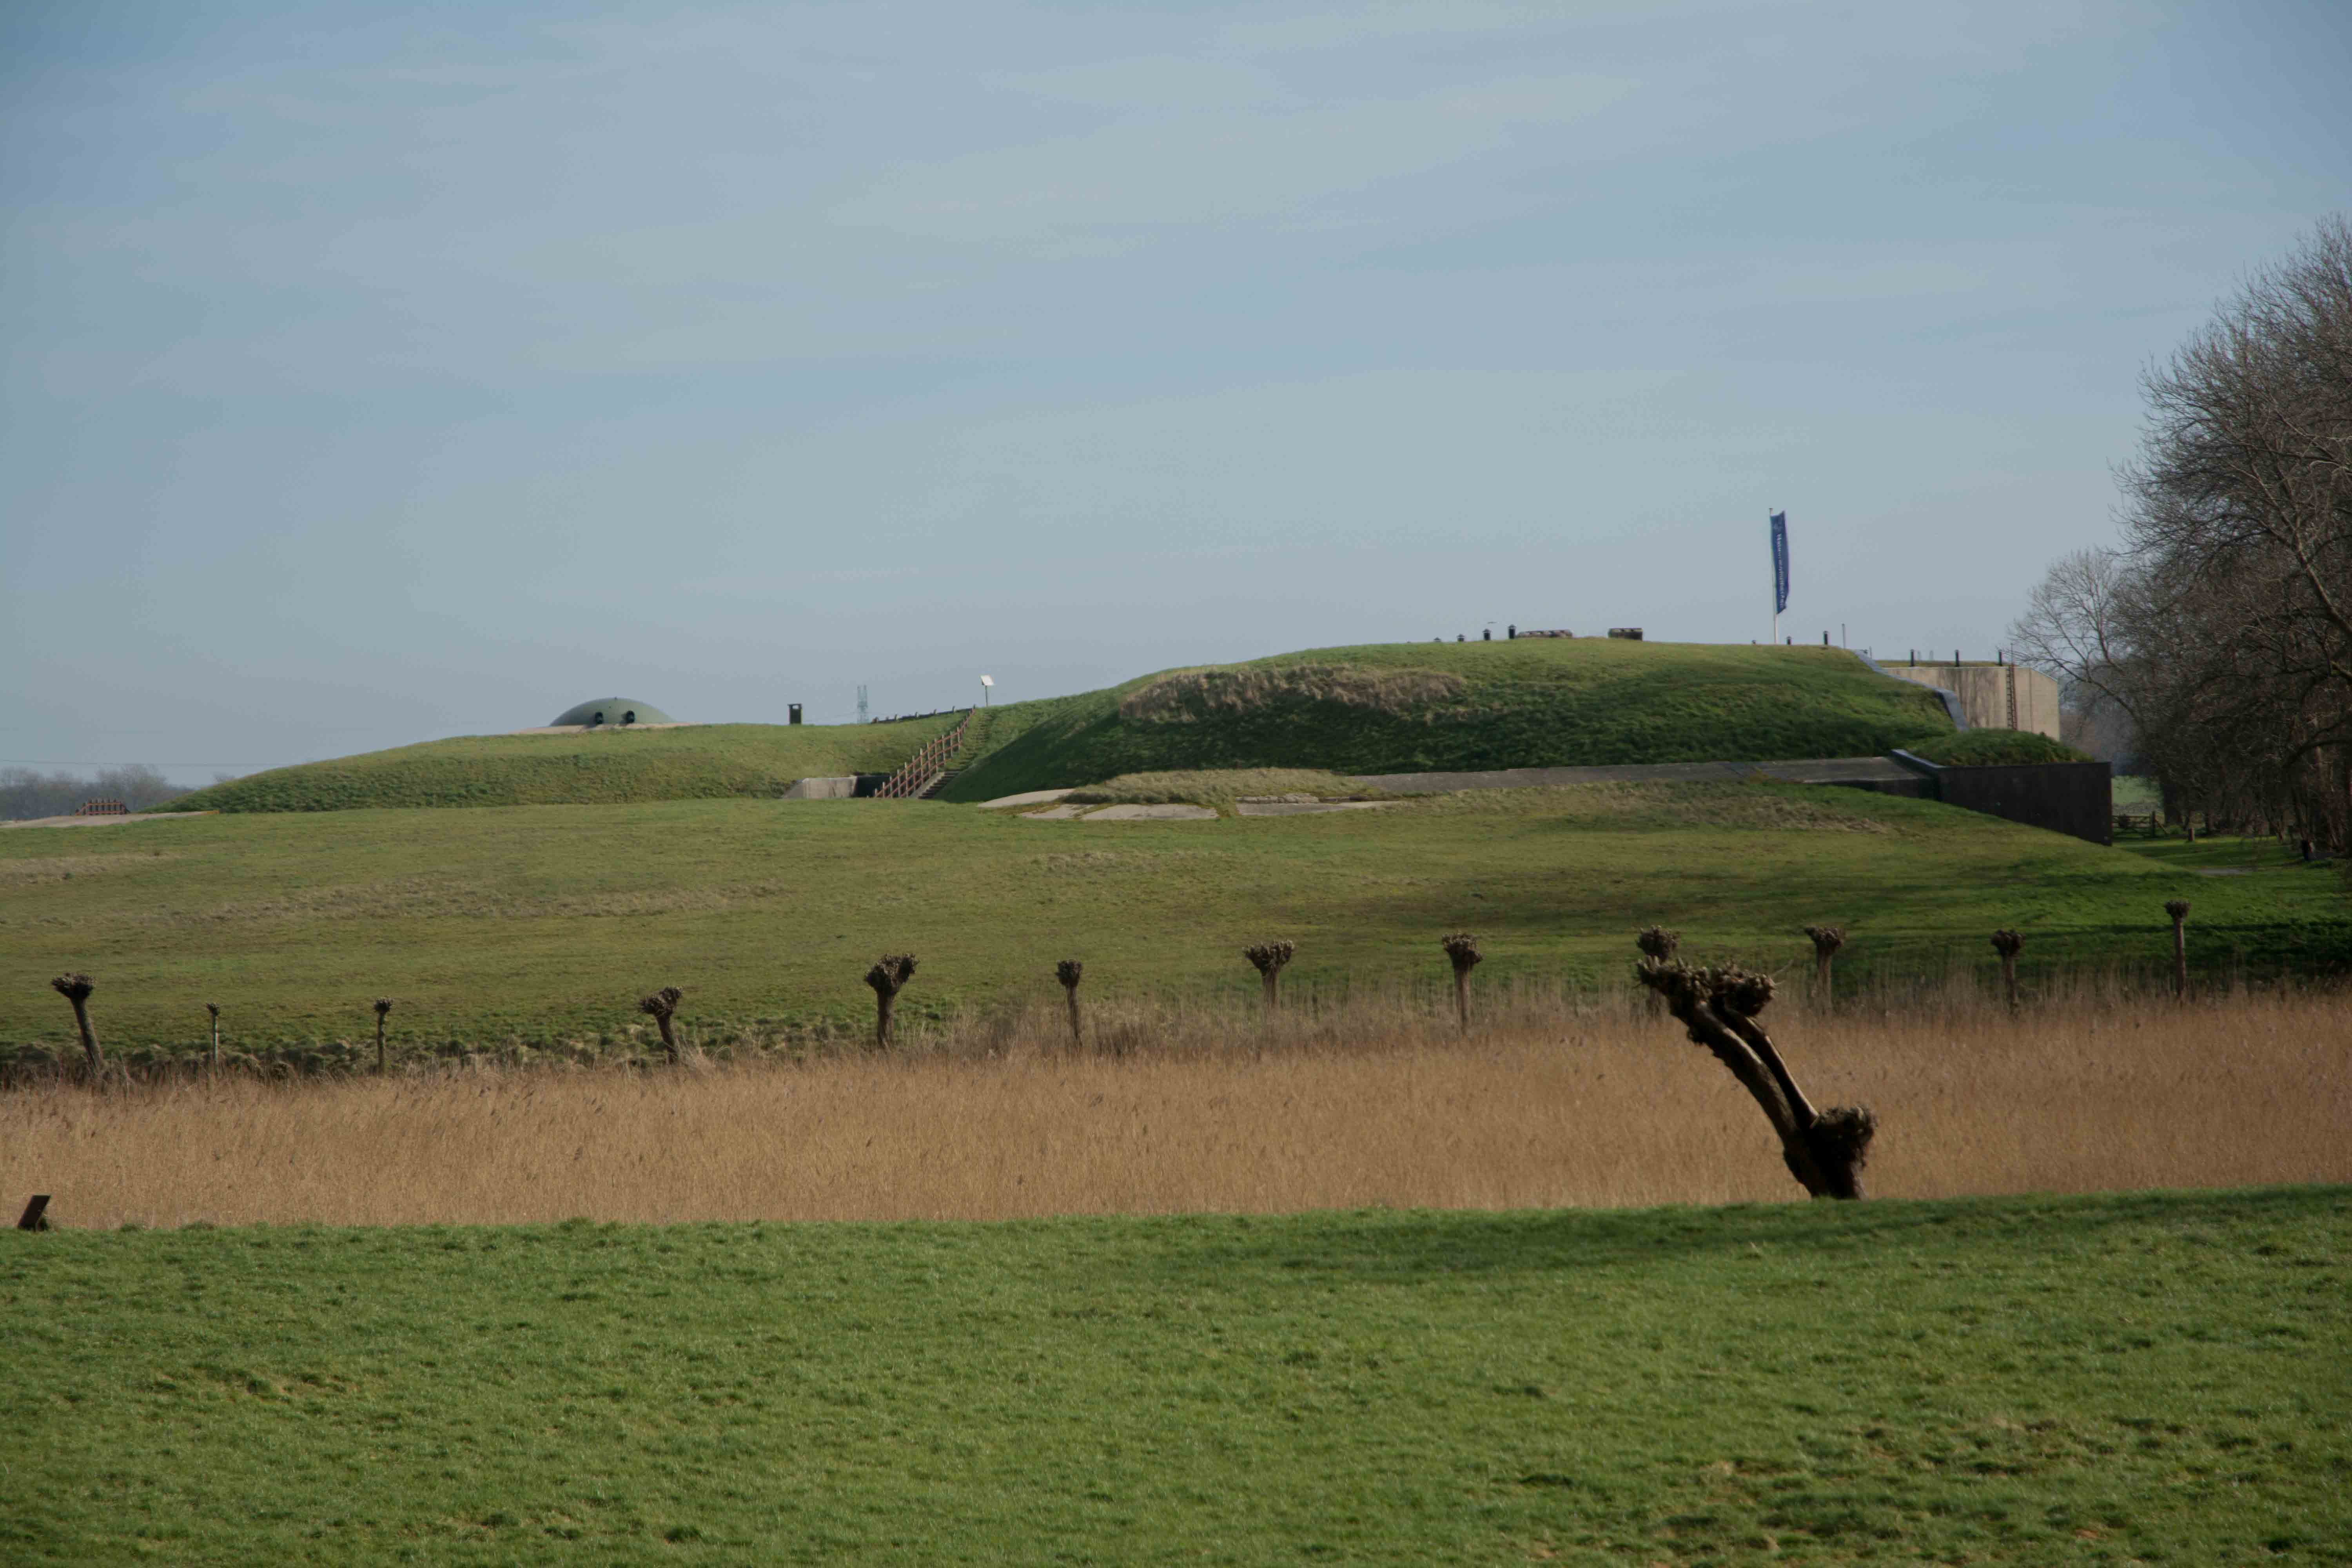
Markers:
821,789
1985,691
2065,797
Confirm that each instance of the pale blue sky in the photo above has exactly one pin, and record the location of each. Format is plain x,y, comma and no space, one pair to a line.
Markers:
378,373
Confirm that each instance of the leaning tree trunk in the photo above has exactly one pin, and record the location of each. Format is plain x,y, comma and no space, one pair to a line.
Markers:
76,989
1827,939
1069,971
1824,1149
2178,910
661,1006
888,976
1462,950
1269,957
2006,944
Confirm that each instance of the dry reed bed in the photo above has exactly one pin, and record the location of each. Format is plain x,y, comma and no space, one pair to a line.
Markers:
1548,1103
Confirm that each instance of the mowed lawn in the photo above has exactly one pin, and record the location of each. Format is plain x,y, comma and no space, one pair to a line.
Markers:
535,923
2153,1378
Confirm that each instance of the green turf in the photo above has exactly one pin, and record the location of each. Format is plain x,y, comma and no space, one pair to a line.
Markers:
2156,1378
545,923
1980,748
1532,703
601,767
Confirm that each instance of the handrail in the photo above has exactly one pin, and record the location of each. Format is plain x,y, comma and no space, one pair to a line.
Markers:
925,765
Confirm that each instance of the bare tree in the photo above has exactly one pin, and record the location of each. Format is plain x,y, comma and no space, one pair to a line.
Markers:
661,1008
76,988
2223,627
1827,939
1824,1149
1269,957
1461,951
1069,971
2007,943
889,977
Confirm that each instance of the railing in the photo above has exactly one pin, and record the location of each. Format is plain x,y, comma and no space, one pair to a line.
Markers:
103,808
929,760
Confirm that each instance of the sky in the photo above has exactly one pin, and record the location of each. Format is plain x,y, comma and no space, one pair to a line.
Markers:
375,374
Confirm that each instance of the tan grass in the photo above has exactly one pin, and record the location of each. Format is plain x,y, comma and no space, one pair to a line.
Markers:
1548,1101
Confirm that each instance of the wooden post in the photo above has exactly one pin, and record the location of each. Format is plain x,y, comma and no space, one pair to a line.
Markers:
37,1213
2178,910
1069,971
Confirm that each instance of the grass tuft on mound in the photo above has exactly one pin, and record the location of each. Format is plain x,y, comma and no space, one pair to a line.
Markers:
610,766
1421,707
2126,1378
1221,789
1983,748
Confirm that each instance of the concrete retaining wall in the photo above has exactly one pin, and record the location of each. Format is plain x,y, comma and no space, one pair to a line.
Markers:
1985,691
822,789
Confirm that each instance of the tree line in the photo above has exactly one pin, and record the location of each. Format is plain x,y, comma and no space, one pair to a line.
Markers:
25,793
2213,643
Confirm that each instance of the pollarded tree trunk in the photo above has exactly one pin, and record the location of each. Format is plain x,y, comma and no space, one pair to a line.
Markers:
213,1008
661,1008
2007,943
1658,942
1069,971
1461,951
383,1007
889,977
76,989
1827,939
1269,957
1824,1149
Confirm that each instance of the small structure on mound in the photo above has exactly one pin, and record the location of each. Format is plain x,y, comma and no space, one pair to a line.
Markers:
611,710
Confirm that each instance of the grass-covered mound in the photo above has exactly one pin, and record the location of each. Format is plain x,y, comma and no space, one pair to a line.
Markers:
1983,748
546,923
601,767
1414,707
2149,1378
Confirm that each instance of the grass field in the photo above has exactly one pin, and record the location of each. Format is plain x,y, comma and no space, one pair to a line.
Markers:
2156,1378
1415,707
601,767
543,924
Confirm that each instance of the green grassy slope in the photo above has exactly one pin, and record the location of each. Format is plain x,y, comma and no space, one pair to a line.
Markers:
543,924
2154,1378
604,767
1534,703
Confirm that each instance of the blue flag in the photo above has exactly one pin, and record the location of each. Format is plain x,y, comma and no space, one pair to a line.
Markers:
1780,562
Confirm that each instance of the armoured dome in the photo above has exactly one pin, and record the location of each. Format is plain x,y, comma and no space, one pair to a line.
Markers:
614,712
